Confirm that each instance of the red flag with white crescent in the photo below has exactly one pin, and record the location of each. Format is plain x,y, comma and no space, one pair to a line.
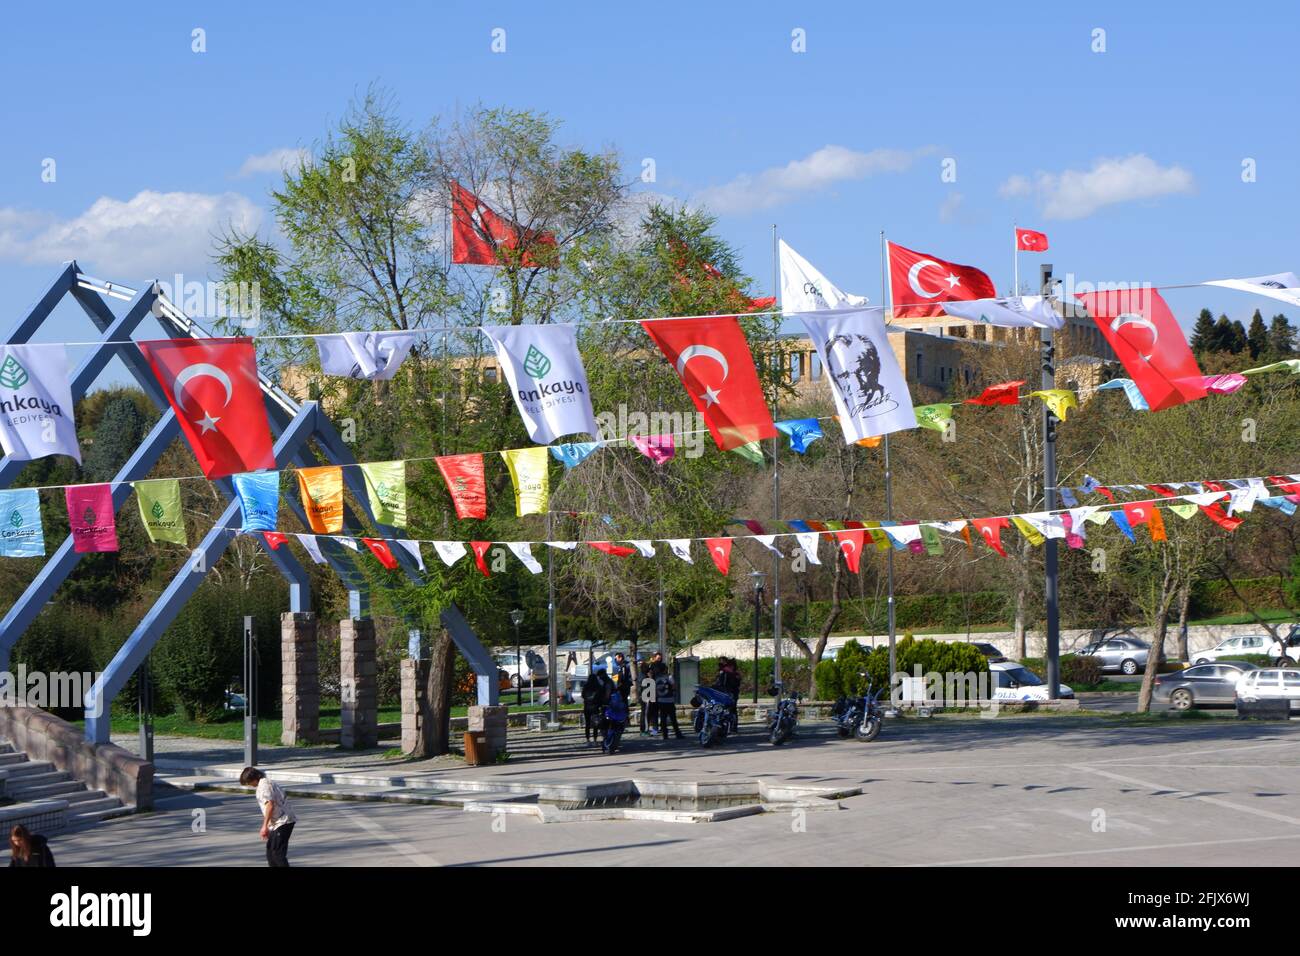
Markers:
480,549
920,282
1027,240
851,547
617,550
990,530
478,233
720,552
213,388
274,539
1138,512
380,549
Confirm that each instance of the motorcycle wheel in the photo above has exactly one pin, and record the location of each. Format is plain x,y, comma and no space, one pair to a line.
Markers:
843,732
706,738
778,736
869,729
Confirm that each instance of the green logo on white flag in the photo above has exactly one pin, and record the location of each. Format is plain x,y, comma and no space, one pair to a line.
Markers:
12,373
536,363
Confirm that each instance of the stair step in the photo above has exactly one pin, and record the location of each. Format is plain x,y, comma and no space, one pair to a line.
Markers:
9,758
14,771
38,779
6,748
81,796
46,791
94,808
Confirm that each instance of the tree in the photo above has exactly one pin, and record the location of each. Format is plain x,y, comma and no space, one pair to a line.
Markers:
1203,334
119,432
1281,337
1257,341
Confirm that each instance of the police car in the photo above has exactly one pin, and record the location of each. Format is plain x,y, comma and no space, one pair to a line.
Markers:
1012,681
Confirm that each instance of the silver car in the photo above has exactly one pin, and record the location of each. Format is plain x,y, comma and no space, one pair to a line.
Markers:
1202,685
1128,655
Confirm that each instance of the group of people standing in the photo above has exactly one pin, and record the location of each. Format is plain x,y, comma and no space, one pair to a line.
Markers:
608,691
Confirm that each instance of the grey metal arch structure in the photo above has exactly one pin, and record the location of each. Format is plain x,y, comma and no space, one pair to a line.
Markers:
294,426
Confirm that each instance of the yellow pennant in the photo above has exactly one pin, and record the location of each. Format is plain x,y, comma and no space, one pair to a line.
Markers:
322,497
1032,534
1058,400
528,470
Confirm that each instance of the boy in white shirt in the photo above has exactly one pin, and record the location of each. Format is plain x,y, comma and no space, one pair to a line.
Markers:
277,818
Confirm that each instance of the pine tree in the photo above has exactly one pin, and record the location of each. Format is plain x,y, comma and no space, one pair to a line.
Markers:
1203,333
1281,336
1223,336
1257,337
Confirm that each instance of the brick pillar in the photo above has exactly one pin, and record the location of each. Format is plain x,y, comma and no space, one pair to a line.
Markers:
415,678
300,679
359,685
492,722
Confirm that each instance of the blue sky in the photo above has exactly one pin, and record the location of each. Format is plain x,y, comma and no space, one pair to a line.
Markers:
1130,159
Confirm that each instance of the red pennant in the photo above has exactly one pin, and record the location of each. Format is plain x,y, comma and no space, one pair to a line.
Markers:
465,483
213,388
1106,492
735,298
380,549
616,550
1216,513
1149,342
274,539
480,549
920,282
851,543
991,530
1138,512
478,233
716,367
1163,490
1003,393
720,552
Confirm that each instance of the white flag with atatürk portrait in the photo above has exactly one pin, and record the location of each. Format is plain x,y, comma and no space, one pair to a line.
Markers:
868,386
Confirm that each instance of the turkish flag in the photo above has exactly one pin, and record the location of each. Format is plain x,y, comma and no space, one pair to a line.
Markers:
851,546
480,549
1138,512
1029,241
720,552
1003,393
478,233
274,539
991,530
920,282
380,549
712,359
735,298
1148,341
1216,513
213,388
617,550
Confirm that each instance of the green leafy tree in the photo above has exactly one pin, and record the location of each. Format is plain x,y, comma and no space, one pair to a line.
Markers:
1257,342
1281,337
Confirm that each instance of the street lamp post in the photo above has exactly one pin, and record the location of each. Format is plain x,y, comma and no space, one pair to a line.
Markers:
756,577
517,618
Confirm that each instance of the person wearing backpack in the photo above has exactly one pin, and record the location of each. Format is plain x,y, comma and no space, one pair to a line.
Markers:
615,719
665,704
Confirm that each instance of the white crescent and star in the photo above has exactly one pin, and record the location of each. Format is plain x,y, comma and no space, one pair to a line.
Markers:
914,278
1135,318
200,370
710,395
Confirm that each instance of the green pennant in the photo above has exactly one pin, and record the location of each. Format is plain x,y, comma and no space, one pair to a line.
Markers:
751,452
160,509
386,485
934,416
931,539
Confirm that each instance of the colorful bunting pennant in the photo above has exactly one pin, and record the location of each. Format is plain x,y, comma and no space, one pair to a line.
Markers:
92,518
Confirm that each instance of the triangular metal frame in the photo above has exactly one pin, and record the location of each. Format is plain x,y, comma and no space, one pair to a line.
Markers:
293,424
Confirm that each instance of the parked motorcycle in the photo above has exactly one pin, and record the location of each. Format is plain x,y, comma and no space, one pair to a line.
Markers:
784,718
713,718
859,717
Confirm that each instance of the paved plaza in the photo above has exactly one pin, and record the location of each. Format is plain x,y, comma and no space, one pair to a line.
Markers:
1028,789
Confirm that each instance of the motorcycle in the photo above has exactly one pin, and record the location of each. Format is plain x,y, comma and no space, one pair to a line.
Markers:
713,718
784,717
859,717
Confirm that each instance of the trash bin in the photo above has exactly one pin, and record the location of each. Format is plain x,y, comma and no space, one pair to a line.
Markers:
477,751
686,675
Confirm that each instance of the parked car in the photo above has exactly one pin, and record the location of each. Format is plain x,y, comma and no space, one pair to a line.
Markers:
1128,655
988,650
1271,683
533,670
235,701
1202,685
1286,650
1011,680
1233,647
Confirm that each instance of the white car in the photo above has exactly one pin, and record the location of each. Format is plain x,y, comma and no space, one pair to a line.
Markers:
1233,647
533,671
1271,683
1012,681
1287,647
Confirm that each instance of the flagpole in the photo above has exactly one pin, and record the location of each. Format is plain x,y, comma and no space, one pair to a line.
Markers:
552,647
1015,260
889,485
1051,594
776,474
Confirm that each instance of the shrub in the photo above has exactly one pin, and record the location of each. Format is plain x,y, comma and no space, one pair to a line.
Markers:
1080,671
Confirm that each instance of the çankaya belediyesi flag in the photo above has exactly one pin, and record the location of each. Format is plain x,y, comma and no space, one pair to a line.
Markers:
322,497
213,388
1013,312
92,519
374,356
545,374
160,509
259,500
804,289
36,403
529,473
868,386
386,488
21,532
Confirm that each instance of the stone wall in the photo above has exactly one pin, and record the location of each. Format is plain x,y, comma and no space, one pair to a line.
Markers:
359,686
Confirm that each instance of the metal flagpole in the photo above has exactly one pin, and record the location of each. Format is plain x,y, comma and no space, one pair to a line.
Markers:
1015,260
889,485
776,474
550,624
1050,591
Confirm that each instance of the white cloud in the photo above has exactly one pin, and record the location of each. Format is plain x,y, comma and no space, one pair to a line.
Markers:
1075,194
150,235
950,206
782,184
284,159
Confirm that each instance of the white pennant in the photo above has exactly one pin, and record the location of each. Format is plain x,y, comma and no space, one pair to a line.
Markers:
562,545
766,540
348,543
1205,498
413,549
450,551
1048,525
645,547
547,380
804,289
311,546
808,541
681,547
524,552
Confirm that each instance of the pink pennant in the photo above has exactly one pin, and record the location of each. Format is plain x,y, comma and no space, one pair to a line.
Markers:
658,448
91,518
1224,384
